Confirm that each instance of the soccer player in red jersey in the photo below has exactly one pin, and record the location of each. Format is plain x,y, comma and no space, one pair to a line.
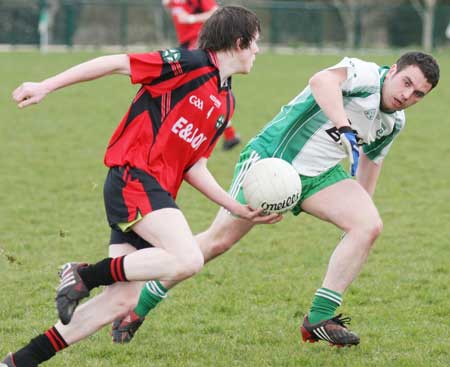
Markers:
188,17
166,136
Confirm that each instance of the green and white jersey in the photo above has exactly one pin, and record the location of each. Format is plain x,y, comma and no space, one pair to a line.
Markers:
302,135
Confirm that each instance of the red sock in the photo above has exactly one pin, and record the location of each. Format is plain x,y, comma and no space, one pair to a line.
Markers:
229,133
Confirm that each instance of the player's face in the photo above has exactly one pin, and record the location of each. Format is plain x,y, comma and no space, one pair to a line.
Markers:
246,56
404,88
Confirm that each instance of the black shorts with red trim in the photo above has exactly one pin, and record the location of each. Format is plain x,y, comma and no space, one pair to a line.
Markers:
130,192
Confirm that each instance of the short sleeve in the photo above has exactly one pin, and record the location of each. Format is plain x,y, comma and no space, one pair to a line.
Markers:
378,150
362,77
145,67
378,156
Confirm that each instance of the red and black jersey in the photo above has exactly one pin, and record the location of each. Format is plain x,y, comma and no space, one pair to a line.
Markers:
187,34
176,117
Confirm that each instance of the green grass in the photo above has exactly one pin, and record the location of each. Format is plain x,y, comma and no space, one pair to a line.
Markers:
244,308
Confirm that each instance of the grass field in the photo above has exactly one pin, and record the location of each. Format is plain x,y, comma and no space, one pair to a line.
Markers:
244,308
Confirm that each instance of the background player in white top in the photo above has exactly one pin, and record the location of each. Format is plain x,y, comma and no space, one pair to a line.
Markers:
353,109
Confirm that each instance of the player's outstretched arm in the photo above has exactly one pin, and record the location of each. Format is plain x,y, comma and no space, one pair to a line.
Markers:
201,178
30,93
326,89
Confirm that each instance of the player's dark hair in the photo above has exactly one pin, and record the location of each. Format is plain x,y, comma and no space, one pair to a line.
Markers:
426,63
226,25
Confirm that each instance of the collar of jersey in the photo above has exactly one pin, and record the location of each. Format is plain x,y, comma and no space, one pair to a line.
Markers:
213,58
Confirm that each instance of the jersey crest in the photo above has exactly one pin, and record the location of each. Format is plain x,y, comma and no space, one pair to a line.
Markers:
171,55
370,114
220,121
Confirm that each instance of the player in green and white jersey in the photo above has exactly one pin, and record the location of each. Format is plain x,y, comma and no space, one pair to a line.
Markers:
304,135
353,109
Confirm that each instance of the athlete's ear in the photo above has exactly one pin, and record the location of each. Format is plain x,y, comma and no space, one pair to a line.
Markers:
238,44
392,70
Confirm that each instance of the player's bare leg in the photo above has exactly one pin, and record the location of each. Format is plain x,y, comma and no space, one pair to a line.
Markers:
176,256
170,248
348,206
114,302
224,232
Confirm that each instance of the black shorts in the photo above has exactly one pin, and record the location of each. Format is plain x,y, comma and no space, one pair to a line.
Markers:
119,237
130,193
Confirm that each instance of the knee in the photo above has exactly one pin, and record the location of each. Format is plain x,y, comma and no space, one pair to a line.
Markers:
190,265
373,229
377,228
122,299
367,230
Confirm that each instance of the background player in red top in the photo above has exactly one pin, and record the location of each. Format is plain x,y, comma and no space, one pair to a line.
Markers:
188,17
166,136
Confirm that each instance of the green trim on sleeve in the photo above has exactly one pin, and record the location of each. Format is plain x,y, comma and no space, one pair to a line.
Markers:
373,150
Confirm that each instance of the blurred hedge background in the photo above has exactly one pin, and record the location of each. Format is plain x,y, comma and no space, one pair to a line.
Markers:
348,24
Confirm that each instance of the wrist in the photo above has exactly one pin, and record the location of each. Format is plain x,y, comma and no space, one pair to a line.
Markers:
49,85
342,123
345,129
230,205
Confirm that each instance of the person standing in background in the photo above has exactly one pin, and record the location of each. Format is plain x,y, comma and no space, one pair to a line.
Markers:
188,17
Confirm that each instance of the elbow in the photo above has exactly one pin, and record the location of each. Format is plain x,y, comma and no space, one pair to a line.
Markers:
314,81
325,79
119,64
318,81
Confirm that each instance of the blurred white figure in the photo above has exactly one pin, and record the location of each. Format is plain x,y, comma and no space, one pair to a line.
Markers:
46,20
43,29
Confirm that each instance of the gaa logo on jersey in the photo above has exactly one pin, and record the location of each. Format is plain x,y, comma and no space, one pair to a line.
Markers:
370,114
220,121
171,55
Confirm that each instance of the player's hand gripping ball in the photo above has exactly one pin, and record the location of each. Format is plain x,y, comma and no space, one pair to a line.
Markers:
272,184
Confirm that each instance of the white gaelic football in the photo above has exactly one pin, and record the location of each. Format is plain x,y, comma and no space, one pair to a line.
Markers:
272,184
